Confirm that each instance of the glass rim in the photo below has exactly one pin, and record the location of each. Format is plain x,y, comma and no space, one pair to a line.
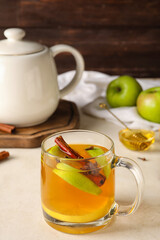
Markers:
110,150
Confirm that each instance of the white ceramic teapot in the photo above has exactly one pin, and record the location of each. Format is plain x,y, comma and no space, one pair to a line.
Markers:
29,92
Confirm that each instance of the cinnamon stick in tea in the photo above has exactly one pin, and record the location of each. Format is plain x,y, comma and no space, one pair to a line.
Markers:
91,172
97,179
6,128
66,148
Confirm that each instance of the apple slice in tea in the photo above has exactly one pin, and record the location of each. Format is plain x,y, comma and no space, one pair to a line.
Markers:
97,151
55,151
72,176
88,173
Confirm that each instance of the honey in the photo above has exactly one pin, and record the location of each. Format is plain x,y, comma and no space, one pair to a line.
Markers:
137,139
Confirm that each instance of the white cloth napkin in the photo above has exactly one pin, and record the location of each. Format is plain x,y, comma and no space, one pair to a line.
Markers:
91,91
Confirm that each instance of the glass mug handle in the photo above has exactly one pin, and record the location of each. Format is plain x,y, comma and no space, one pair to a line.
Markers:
137,173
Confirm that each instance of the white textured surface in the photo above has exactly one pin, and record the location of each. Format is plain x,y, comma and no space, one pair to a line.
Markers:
20,209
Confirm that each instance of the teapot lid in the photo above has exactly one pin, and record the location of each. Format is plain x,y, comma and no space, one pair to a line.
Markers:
15,45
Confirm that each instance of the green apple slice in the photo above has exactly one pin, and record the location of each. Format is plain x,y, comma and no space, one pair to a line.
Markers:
95,152
78,180
55,150
66,167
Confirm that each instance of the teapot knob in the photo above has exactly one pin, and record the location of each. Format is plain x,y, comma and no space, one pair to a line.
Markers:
14,34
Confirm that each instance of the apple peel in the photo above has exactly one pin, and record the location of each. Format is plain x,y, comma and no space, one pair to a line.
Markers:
76,179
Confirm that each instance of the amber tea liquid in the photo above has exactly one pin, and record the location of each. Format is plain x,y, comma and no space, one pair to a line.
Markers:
65,202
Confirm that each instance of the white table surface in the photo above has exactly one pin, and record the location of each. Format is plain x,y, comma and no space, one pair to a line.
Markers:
20,205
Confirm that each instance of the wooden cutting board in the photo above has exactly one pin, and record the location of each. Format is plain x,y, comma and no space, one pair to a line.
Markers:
66,117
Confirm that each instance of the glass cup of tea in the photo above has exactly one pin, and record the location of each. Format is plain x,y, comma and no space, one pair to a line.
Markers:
78,181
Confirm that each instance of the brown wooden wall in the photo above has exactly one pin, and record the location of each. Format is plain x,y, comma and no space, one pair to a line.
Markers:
114,36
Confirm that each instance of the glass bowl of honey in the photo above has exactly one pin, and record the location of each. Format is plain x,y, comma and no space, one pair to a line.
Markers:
137,139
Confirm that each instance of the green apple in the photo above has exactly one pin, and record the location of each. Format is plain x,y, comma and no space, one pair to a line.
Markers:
148,104
123,91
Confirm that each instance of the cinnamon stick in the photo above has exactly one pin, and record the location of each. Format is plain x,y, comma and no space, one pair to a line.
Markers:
92,171
66,148
97,179
4,155
7,128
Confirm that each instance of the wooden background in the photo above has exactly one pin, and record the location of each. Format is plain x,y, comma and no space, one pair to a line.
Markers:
114,36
